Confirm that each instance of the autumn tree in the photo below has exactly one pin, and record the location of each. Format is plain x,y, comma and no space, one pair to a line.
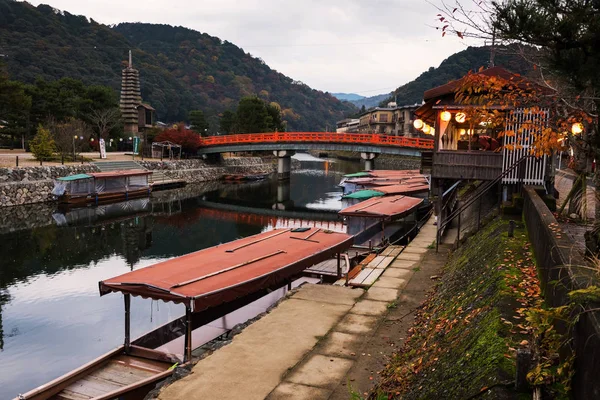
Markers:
70,137
566,34
188,139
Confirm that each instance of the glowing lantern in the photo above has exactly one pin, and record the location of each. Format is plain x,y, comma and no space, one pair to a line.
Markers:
577,128
445,116
460,117
418,123
426,128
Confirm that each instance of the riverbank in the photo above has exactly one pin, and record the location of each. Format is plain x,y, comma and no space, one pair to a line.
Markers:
280,356
29,185
383,161
465,337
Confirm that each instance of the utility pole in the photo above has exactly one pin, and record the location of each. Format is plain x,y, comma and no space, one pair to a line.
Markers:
493,49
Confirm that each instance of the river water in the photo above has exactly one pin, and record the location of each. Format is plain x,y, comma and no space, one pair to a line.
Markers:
52,318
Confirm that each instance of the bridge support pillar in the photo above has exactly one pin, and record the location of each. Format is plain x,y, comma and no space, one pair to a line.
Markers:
369,160
284,163
283,196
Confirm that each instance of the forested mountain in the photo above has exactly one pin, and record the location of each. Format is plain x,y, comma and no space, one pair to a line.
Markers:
455,67
348,96
180,69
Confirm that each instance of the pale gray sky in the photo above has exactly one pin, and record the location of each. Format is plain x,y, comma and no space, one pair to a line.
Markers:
362,46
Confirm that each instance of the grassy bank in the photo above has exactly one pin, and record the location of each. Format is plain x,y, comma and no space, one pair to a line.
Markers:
464,340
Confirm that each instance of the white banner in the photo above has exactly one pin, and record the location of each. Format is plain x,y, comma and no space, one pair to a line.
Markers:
102,149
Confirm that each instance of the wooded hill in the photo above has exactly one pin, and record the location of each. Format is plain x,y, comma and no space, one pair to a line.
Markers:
455,67
180,69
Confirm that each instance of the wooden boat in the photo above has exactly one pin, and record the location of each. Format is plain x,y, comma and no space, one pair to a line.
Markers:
213,278
102,187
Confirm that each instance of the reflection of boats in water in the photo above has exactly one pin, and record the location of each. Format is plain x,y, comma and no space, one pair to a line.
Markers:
102,187
203,282
242,178
103,213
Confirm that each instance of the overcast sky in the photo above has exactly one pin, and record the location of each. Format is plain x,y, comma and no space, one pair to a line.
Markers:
361,46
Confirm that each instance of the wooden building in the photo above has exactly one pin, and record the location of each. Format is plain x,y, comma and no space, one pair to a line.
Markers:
457,157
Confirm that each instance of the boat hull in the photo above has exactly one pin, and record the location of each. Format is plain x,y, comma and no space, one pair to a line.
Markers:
112,375
102,198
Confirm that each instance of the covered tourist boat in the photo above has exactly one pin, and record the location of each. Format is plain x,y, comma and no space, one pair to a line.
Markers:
203,281
102,187
380,218
413,189
368,180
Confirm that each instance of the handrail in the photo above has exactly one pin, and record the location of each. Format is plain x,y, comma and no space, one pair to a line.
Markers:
483,190
317,137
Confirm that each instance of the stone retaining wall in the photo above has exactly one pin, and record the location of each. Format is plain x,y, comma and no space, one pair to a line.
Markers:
29,185
562,269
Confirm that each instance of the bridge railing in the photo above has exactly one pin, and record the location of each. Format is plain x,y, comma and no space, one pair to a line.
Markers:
317,137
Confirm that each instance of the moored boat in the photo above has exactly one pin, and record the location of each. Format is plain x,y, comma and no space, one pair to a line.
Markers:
102,187
202,281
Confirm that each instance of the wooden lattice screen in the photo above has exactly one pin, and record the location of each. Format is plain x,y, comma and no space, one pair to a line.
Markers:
534,168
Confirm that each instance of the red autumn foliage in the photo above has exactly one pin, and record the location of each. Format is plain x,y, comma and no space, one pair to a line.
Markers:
189,140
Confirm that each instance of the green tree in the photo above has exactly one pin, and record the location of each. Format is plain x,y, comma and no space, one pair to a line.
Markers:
227,122
276,122
42,146
252,116
15,106
198,122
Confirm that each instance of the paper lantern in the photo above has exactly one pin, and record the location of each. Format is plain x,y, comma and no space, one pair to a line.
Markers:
445,116
577,128
426,128
460,117
418,123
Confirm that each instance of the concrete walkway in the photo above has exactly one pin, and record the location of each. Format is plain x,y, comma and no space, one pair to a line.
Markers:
306,346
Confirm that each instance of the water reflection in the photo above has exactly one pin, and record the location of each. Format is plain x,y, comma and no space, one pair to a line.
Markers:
51,316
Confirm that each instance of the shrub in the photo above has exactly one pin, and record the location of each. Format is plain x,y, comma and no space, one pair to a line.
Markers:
42,146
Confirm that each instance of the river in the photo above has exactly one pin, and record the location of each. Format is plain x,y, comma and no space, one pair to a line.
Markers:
52,318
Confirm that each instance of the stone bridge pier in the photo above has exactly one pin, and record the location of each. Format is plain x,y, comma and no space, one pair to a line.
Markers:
284,201
369,160
284,163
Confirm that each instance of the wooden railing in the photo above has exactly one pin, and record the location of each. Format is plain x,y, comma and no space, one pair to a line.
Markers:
317,137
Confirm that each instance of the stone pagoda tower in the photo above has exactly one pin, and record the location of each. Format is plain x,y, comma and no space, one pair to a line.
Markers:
131,97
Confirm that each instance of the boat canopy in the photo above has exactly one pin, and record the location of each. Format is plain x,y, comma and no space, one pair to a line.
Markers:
403,188
232,270
383,207
74,177
363,194
358,175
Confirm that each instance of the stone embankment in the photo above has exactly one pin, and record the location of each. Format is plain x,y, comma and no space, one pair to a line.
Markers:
28,185
383,161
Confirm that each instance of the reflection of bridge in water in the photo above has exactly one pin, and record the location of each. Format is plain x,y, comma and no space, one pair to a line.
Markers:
271,218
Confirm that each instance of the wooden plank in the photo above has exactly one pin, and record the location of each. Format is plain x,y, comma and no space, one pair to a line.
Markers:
140,363
366,278
358,279
82,387
121,374
372,277
68,395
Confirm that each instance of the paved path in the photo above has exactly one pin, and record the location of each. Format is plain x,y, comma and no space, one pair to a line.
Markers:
563,182
305,347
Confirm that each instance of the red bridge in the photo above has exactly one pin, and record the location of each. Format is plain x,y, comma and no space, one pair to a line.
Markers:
299,139
284,144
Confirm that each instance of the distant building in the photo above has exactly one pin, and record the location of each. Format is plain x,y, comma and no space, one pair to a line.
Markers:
391,120
348,125
136,115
